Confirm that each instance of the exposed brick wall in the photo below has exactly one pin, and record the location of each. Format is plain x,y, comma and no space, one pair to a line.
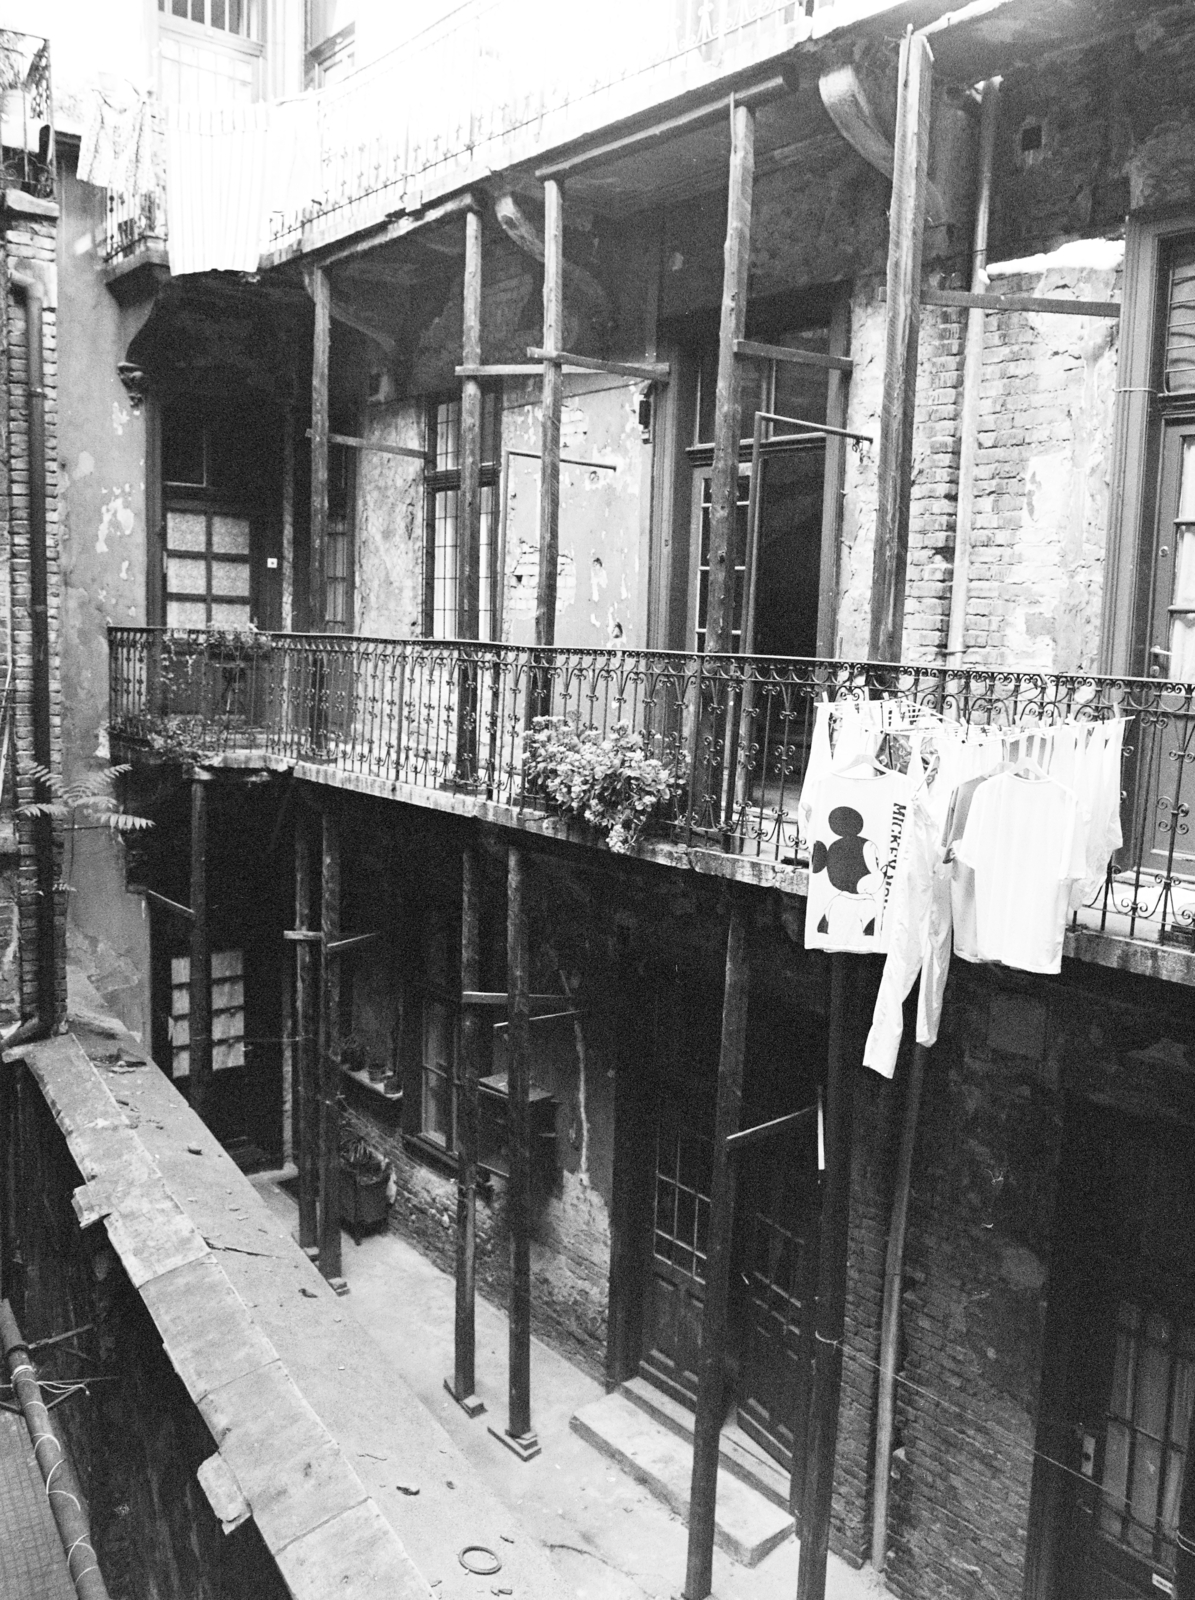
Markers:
30,241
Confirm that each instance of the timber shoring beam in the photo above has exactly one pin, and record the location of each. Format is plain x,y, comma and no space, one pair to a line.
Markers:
329,1053
463,1384
321,294
199,1018
906,229
306,1026
518,1434
728,398
63,1491
553,391
833,1239
707,1426
468,611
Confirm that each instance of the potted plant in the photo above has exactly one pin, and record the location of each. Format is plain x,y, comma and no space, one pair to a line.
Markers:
363,1181
609,781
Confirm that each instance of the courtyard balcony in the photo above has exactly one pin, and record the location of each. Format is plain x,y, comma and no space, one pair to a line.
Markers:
447,725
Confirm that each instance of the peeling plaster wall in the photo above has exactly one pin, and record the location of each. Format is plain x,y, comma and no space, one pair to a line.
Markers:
601,597
103,546
389,575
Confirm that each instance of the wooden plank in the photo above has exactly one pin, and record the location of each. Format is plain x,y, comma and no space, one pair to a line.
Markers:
306,1033
329,1052
351,442
765,1130
665,129
464,1376
499,997
553,391
818,1487
518,959
353,942
199,1048
645,371
906,229
321,348
1047,304
169,905
469,500
707,1424
728,404
509,369
756,351
416,220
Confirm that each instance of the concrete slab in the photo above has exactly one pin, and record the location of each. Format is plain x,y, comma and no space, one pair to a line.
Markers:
746,1526
738,1451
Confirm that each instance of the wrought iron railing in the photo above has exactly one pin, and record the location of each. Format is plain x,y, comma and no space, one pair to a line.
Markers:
26,113
733,733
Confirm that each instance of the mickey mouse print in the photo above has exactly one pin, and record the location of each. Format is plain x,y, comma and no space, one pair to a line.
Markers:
856,822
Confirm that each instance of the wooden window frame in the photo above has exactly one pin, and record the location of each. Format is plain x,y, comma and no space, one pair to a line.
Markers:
444,480
1132,503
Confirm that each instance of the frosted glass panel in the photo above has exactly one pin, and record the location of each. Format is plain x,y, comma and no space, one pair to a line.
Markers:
186,530
186,574
230,579
230,536
1186,493
230,614
186,614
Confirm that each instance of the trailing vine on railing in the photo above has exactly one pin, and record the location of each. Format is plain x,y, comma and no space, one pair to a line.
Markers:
610,782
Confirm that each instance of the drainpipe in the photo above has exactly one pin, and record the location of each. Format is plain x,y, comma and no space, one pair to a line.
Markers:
30,288
62,1487
972,374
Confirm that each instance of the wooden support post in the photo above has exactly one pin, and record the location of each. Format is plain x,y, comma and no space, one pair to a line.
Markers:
893,1284
306,1026
711,1376
321,293
831,1296
199,1017
329,1053
906,229
469,519
728,398
462,1386
553,391
518,1435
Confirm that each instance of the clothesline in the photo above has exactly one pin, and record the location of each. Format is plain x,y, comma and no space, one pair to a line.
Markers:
927,834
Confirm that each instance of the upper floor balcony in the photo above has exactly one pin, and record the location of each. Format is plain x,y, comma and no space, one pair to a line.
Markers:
720,744
27,114
493,86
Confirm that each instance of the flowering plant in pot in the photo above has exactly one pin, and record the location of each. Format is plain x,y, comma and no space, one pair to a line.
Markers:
610,781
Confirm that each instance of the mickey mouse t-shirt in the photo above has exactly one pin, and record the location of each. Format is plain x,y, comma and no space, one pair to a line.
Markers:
856,821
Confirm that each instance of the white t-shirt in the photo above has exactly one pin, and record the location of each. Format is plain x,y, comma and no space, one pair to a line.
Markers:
1025,844
856,820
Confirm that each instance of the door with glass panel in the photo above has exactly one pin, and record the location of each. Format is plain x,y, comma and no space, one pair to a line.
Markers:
1166,746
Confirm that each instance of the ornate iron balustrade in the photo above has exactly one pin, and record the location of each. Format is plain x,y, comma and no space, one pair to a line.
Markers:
733,733
27,113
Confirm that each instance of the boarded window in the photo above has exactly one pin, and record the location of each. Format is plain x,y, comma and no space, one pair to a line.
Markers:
228,1012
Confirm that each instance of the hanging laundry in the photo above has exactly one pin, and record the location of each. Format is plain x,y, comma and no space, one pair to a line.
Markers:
856,820
1024,842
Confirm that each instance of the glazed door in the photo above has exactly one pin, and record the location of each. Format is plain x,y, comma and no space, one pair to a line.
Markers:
780,1210
676,1293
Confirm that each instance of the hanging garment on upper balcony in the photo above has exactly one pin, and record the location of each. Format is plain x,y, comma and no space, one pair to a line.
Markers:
1025,843
857,816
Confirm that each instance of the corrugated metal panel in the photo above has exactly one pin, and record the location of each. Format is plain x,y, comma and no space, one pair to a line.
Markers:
217,164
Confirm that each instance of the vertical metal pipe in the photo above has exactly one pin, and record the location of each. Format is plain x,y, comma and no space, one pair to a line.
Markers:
553,392
63,1490
329,1042
711,1381
972,378
199,1018
831,1297
519,1194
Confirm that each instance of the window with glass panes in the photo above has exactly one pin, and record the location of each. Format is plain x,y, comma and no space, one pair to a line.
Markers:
338,550
437,1104
210,51
331,42
442,556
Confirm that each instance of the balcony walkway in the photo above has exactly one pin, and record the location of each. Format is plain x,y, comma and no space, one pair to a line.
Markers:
441,725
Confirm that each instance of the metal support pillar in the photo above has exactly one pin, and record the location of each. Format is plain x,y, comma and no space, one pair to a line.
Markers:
199,1013
306,1033
831,1296
329,1054
711,1377
462,1385
321,294
518,1434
